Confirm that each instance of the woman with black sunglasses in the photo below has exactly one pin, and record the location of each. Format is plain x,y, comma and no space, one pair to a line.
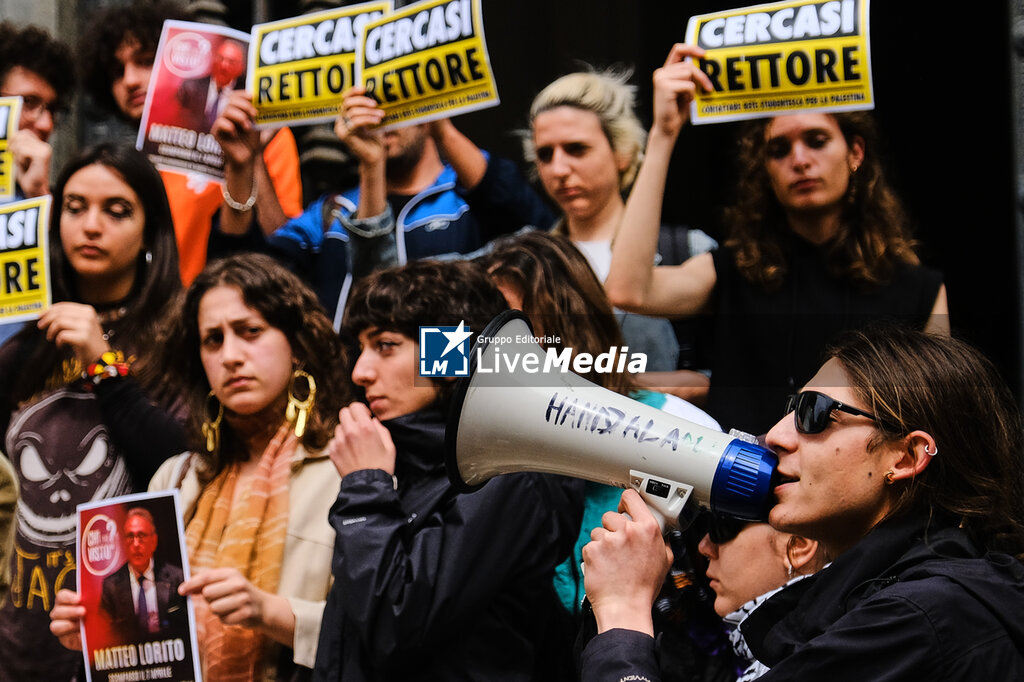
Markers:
748,562
816,243
903,459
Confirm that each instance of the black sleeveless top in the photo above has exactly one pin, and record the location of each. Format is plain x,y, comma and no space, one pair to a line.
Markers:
769,344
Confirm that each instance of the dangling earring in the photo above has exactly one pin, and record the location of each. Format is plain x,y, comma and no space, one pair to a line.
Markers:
298,411
890,477
211,429
790,571
149,257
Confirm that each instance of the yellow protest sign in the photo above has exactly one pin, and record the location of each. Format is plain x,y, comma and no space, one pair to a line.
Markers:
783,57
299,67
24,284
427,61
10,113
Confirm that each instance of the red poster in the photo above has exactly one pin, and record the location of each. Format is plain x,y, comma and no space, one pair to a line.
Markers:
132,558
196,68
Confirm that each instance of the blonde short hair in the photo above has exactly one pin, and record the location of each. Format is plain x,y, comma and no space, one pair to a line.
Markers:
611,98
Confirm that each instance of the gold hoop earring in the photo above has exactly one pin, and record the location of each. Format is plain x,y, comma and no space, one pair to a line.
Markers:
890,477
298,411
211,429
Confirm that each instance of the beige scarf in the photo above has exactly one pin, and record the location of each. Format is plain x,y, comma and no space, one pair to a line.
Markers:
250,537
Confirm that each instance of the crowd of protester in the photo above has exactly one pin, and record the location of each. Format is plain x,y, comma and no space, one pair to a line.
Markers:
261,359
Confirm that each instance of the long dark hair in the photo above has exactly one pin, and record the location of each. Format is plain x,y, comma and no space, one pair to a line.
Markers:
287,304
873,236
913,380
157,277
562,296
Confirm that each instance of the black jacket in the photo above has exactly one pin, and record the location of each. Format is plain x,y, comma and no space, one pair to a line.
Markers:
433,585
117,600
908,602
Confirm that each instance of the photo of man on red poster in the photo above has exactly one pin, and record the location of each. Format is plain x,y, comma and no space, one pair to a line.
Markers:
195,70
132,559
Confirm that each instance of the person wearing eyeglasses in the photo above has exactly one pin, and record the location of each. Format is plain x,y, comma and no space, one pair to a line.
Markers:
141,598
817,243
38,68
748,562
901,457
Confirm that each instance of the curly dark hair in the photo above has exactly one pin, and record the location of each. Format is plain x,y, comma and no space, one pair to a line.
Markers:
287,304
108,28
873,237
424,292
34,49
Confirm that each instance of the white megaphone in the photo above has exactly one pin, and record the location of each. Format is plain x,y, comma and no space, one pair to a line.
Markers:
519,410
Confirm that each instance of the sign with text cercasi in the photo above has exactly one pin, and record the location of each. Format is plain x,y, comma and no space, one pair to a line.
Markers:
783,57
24,259
299,67
427,61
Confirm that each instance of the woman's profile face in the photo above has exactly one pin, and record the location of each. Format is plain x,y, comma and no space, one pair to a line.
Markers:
386,371
248,362
809,162
745,567
831,484
575,161
102,223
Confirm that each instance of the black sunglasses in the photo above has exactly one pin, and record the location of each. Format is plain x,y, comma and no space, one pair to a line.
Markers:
812,410
722,529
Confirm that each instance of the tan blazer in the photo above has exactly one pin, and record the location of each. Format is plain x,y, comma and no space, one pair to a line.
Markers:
309,546
8,505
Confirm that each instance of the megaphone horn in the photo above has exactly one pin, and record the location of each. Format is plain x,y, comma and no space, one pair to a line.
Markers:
519,411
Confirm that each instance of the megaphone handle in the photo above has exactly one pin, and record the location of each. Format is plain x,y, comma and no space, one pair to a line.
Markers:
667,500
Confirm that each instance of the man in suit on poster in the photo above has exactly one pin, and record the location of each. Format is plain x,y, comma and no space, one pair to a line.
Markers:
141,598
203,99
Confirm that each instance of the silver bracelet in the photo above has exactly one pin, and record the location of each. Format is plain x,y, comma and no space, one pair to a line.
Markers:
249,203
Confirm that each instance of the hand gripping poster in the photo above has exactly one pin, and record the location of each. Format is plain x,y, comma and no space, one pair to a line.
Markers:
299,67
784,57
24,259
427,61
132,558
196,68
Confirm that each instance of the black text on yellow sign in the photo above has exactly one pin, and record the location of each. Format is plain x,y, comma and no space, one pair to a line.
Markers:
21,271
301,66
10,112
300,84
442,72
426,61
783,57
778,70
5,119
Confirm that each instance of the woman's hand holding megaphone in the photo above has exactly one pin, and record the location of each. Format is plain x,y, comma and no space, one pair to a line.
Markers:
625,565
